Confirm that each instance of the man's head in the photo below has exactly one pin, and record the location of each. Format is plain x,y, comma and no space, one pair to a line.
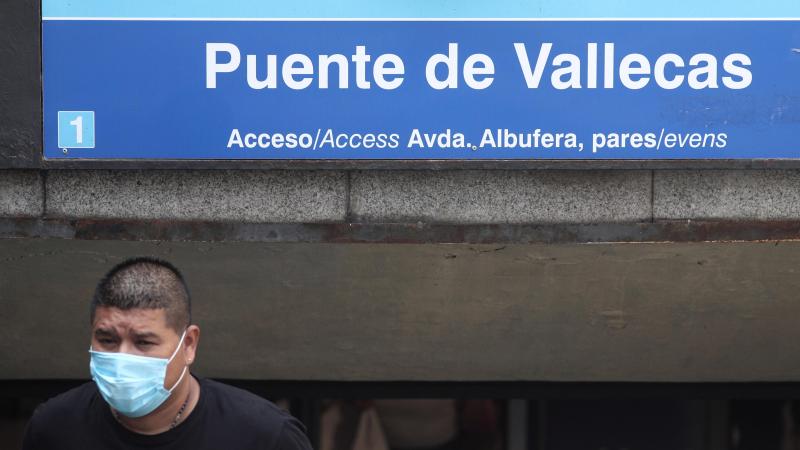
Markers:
146,283
142,307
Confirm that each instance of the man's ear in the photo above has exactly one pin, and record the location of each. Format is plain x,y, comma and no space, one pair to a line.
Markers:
190,342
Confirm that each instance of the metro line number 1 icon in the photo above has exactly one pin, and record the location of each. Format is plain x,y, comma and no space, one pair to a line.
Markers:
75,129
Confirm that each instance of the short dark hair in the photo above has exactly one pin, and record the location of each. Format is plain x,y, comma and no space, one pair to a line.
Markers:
149,283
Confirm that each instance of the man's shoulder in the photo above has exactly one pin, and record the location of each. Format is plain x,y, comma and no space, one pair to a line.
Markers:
238,402
59,420
67,405
249,413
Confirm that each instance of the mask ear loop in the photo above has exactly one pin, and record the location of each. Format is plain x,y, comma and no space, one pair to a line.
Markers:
177,348
179,380
180,343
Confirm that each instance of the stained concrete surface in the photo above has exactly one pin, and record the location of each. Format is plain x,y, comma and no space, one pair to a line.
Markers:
20,84
613,312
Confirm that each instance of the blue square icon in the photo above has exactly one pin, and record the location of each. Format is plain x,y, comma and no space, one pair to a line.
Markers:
76,129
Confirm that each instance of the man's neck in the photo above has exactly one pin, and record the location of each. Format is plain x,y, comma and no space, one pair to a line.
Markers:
163,418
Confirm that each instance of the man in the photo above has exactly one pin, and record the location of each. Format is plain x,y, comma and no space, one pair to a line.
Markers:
143,394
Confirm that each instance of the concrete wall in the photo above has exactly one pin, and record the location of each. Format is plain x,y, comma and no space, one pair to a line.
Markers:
459,197
294,303
420,312
276,308
448,309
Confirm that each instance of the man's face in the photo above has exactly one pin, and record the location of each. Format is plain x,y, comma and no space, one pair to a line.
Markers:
142,332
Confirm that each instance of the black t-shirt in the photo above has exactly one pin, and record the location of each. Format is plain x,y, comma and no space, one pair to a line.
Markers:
225,418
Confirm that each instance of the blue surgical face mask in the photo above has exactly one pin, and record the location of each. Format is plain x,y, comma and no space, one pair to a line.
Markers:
133,385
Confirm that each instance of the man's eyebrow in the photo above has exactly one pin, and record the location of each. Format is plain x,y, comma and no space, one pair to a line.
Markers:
105,332
146,335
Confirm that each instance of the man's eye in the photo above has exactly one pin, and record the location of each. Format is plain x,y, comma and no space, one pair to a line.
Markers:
106,341
144,343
